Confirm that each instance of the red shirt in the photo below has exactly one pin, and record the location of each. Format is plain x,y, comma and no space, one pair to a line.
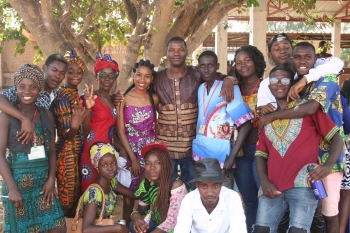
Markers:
290,145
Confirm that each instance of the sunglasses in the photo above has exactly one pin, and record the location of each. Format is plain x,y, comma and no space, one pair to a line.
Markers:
103,75
284,81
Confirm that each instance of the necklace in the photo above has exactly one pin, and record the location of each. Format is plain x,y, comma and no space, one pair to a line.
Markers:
251,94
104,98
140,91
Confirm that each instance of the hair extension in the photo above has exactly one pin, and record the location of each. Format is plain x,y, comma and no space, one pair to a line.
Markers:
257,57
148,64
163,195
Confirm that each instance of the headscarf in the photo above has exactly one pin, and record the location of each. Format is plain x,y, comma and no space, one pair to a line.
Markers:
72,57
31,72
345,90
103,61
100,149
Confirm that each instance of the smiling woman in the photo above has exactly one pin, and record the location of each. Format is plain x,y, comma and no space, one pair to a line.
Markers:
29,169
69,116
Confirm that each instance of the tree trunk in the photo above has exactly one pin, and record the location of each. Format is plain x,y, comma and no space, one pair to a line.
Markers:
132,53
158,31
45,31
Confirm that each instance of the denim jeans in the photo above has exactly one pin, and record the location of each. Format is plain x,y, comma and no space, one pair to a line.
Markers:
302,205
152,225
247,180
187,169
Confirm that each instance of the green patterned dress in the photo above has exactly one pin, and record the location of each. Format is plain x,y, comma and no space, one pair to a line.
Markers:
30,175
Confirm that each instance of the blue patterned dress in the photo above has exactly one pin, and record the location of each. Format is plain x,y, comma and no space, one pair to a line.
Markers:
30,176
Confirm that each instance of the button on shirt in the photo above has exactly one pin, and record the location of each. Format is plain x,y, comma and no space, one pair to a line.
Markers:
227,217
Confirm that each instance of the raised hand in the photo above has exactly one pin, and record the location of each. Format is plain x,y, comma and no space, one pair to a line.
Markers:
79,113
90,97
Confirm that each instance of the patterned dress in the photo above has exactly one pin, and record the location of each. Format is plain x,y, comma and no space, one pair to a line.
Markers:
102,122
94,196
30,176
139,129
68,152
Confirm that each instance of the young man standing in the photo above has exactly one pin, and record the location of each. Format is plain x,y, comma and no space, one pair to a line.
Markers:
284,150
177,88
213,141
211,208
54,72
322,94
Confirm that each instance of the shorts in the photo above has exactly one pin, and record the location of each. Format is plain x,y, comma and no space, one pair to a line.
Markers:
332,186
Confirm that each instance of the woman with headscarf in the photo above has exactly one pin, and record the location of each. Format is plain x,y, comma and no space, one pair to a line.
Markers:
344,203
28,189
103,158
69,116
101,115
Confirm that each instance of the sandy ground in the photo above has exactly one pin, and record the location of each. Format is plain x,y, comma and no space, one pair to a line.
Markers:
117,213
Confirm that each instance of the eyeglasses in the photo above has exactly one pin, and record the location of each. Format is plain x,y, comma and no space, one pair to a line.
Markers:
103,75
284,81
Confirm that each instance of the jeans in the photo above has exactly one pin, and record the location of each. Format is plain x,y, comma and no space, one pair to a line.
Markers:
247,180
187,169
302,205
152,225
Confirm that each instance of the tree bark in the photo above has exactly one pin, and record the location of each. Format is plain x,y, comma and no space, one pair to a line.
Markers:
158,31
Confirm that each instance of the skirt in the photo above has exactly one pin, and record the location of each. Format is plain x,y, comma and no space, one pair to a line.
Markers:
34,215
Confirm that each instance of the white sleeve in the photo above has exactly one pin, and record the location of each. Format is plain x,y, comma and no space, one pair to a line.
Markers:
324,66
237,217
184,218
264,94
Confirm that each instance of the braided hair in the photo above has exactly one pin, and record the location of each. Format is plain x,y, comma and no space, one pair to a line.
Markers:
257,57
163,196
148,64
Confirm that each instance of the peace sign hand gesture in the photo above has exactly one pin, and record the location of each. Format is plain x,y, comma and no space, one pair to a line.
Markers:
90,97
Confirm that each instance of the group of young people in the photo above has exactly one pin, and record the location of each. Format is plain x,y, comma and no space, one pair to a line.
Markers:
261,133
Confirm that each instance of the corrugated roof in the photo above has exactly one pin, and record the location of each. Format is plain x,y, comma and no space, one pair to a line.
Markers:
278,10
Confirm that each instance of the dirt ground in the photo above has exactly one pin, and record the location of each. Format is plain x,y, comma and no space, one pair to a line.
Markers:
117,213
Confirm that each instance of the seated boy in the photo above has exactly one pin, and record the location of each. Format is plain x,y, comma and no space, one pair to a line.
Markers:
284,150
211,208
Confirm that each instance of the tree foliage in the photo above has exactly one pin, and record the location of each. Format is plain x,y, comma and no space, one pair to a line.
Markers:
143,26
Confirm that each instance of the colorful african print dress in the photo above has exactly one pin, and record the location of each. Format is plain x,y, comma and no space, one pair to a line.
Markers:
68,152
94,196
139,129
30,176
102,122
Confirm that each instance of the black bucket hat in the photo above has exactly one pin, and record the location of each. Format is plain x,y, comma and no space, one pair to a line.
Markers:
208,170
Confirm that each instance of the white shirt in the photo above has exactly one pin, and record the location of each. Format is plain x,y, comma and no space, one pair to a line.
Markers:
323,66
227,217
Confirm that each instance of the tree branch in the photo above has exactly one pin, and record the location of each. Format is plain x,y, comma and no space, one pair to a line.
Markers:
47,12
181,9
131,12
67,12
88,18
